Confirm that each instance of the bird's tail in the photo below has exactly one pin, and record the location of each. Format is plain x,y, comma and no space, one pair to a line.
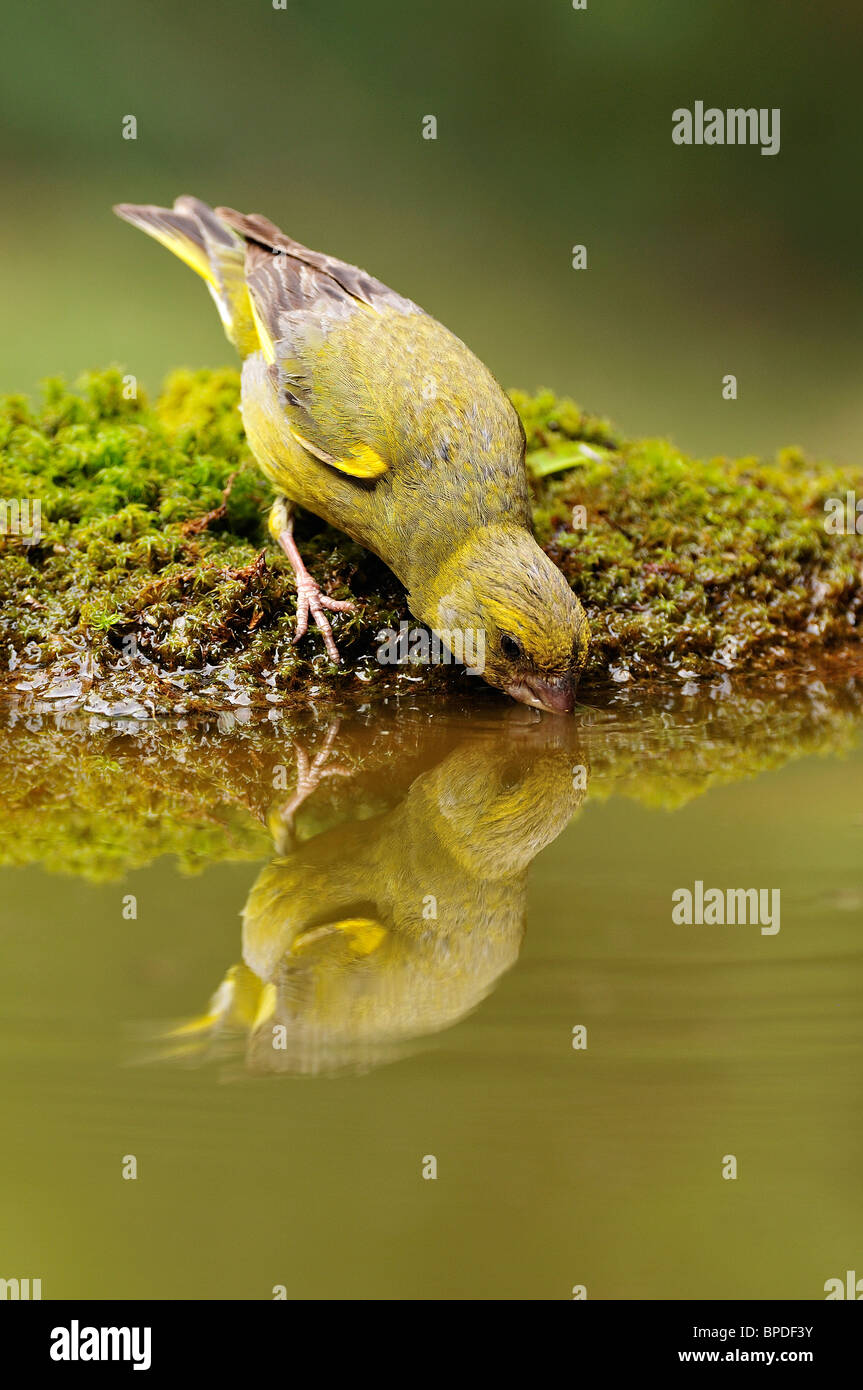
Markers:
194,233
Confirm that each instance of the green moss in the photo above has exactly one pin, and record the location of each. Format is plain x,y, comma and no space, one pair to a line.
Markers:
689,567
154,586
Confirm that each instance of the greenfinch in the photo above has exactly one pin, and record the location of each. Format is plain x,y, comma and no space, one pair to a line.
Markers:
364,410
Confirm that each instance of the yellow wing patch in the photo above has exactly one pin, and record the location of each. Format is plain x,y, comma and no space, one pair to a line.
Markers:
362,462
359,462
362,934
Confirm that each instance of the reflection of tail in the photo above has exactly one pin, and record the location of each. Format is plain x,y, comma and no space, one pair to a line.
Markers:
194,233
237,1006
243,1001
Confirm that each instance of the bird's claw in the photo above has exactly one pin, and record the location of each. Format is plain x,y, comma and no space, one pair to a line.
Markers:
311,600
310,773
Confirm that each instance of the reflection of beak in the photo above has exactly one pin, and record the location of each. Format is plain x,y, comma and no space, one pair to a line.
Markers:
558,697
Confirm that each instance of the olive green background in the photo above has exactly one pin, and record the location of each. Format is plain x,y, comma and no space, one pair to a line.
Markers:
554,128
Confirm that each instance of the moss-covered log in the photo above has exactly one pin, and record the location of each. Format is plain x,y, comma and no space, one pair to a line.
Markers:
152,586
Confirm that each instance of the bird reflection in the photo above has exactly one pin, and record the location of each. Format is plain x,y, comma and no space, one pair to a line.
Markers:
371,936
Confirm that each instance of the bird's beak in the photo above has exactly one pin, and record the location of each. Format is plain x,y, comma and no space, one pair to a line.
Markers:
558,697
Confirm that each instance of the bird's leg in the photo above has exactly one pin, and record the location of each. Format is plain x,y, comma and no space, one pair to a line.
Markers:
309,596
310,773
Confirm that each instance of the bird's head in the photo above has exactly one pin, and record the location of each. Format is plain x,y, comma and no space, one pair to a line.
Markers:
505,610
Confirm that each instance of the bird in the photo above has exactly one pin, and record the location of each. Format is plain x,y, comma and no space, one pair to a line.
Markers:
363,409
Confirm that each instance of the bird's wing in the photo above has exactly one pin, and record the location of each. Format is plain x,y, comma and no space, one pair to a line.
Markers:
309,279
299,299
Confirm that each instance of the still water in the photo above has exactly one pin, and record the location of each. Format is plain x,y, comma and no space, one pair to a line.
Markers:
282,968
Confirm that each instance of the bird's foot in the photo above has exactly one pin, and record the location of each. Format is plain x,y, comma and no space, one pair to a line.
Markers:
309,596
311,600
310,773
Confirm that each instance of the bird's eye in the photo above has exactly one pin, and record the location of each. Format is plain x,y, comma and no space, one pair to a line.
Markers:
509,647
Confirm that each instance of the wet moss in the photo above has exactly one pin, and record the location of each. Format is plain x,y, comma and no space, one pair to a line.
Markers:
690,567
153,586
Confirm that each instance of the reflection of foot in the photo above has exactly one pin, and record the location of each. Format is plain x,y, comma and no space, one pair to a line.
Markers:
310,774
309,596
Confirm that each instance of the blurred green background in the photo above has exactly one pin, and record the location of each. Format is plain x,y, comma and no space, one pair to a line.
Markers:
554,128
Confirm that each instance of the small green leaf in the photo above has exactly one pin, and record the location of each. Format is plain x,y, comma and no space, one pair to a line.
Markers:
546,461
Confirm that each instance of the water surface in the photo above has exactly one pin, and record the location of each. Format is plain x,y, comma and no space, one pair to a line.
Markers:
419,935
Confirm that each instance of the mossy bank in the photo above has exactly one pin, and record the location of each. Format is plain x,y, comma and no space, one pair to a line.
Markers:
150,584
